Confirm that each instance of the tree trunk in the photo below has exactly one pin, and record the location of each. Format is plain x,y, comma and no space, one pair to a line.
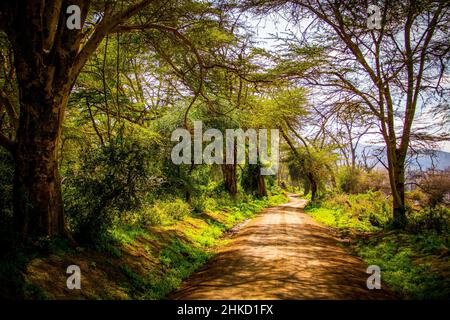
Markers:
262,191
396,168
230,180
43,59
313,187
399,207
306,186
38,208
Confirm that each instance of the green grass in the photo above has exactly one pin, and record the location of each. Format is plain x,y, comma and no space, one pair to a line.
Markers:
412,265
415,265
127,234
136,259
366,212
178,261
339,219
207,236
182,256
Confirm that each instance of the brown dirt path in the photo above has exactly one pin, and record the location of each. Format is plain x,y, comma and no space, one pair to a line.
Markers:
281,254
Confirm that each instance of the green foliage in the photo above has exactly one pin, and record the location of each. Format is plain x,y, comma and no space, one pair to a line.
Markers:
411,265
414,263
435,219
165,212
203,203
110,181
313,165
361,212
127,234
349,179
180,259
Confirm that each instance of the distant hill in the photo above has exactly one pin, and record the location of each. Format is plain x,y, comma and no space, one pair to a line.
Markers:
439,159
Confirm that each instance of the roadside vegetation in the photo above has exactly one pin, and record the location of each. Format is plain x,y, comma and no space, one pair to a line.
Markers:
144,256
415,261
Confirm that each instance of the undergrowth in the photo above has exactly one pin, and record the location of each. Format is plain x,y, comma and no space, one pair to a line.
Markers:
415,262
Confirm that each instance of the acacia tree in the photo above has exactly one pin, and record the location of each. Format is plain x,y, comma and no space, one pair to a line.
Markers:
48,57
390,71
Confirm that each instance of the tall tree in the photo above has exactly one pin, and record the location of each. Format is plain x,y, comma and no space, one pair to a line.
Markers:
48,57
391,71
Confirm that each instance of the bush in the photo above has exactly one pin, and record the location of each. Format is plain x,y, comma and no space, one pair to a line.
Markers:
349,180
165,211
354,180
363,212
110,181
416,196
435,219
436,184
202,203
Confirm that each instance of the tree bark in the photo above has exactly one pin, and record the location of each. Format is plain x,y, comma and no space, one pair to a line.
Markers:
38,208
230,180
313,185
262,191
398,185
306,186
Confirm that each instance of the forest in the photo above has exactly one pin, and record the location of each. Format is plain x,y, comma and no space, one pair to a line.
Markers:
344,99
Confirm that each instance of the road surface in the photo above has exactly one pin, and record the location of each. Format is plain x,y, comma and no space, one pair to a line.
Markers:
281,254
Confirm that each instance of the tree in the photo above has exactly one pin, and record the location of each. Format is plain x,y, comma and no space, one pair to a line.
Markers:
48,57
391,71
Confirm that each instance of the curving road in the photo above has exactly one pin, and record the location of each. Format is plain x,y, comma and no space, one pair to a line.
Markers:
281,254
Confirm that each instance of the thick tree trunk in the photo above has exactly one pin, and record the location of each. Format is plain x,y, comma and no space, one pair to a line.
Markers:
306,186
43,67
313,185
262,191
396,169
230,180
38,208
48,57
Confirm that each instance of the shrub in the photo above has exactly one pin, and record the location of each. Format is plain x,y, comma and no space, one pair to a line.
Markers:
354,180
349,180
363,212
110,181
435,219
169,210
375,180
202,203
418,196
436,184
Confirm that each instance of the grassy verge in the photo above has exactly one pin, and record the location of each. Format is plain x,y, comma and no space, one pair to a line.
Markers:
416,266
139,261
415,262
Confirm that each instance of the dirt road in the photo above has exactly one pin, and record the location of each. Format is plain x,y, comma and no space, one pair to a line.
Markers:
281,254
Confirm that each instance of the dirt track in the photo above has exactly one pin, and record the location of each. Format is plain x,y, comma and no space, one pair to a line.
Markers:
281,254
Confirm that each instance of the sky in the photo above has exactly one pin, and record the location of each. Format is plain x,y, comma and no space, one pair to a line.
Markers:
267,26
